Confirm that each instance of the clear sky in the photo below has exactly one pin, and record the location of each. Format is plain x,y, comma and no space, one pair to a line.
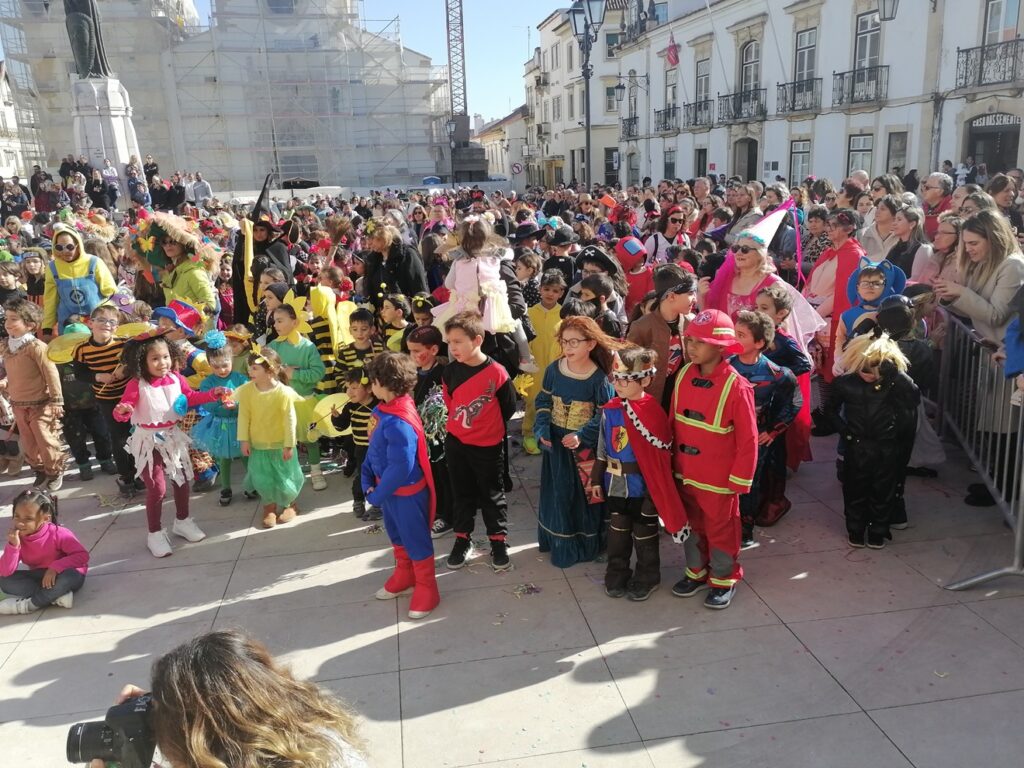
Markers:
500,37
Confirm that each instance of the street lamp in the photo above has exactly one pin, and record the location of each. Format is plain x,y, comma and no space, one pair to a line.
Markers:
587,16
450,126
887,9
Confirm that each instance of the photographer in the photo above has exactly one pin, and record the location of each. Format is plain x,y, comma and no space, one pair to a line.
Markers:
221,700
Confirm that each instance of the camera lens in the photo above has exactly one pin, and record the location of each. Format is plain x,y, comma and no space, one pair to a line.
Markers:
91,741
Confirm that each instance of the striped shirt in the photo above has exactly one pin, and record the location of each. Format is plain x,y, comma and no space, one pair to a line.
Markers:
357,417
92,358
350,357
320,335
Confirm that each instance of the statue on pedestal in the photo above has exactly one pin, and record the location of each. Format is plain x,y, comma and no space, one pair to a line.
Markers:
83,25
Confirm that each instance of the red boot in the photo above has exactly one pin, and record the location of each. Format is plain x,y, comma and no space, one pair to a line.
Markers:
401,580
425,597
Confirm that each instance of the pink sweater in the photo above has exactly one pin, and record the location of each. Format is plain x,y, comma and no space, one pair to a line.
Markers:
52,546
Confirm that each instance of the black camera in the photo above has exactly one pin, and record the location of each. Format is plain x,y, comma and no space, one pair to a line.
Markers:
124,736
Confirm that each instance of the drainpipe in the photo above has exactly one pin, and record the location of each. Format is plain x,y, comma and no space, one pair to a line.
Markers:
938,102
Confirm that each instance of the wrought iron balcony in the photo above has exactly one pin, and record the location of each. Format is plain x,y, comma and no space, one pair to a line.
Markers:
743,105
699,114
630,127
860,86
990,64
666,120
799,96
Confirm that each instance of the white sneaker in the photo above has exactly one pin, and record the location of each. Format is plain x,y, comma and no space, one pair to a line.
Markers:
158,543
65,601
15,606
188,530
316,479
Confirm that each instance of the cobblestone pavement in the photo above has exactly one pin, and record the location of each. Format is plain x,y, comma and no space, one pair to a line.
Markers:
828,656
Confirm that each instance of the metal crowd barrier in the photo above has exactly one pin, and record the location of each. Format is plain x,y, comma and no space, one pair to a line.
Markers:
974,405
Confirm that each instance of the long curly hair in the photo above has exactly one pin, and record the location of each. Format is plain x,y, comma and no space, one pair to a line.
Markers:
223,702
136,352
603,353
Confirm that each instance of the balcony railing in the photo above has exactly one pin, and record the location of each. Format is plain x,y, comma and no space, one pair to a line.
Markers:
630,127
990,64
799,96
743,105
699,114
860,86
666,120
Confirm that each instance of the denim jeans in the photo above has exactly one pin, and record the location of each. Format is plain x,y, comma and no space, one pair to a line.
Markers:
30,584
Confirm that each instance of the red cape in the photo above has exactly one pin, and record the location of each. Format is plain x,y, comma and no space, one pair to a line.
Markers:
404,408
655,463
849,255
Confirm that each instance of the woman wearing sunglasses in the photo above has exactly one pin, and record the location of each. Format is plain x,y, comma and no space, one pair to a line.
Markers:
76,283
669,231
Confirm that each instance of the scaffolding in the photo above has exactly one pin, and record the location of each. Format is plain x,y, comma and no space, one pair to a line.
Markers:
310,90
322,95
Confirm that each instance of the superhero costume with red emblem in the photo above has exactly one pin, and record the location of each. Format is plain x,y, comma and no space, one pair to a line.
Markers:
715,435
634,463
396,477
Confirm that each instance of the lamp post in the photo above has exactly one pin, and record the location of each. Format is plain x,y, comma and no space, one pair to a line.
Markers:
450,127
587,16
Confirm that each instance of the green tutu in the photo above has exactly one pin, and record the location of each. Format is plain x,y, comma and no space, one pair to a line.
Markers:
276,481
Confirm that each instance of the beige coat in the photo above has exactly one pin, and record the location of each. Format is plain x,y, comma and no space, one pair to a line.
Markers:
988,304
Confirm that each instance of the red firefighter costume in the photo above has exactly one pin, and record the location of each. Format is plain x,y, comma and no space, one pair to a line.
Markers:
715,434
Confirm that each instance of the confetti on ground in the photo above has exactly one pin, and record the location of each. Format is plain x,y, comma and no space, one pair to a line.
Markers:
941,674
373,529
525,589
108,501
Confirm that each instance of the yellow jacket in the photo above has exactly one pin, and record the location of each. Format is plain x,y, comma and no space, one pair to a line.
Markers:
545,346
77,268
266,420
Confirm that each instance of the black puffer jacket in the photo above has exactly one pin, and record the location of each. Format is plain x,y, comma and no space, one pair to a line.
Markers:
400,272
885,411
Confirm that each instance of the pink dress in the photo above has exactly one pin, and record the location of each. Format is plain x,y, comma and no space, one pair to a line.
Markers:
475,284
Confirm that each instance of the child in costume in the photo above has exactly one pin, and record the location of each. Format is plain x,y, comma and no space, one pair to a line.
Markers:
266,433
476,285
56,560
639,274
98,361
324,334
777,401
303,369
155,400
394,313
396,477
545,318
570,521
776,302
634,461
82,418
354,418
480,400
874,408
240,343
33,389
424,348
715,434
182,322
217,431
866,289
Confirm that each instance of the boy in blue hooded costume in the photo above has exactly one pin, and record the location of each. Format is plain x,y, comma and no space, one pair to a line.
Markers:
867,288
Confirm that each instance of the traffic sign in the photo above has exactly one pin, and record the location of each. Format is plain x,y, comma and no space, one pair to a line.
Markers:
517,168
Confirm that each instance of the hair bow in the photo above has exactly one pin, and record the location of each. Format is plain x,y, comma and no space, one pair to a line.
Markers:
215,340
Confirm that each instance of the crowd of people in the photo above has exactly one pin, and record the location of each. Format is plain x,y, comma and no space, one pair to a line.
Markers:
661,341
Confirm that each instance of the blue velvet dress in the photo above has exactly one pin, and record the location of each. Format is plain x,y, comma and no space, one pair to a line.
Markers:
569,527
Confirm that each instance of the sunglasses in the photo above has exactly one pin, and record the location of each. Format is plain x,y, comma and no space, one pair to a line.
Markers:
678,221
68,248
830,198
744,249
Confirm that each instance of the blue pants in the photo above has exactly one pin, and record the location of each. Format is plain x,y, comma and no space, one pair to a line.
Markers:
407,521
30,584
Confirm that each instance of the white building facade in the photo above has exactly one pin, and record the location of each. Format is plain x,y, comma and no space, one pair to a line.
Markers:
503,141
12,161
791,88
555,151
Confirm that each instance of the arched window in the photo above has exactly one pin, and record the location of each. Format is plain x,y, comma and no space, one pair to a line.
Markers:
750,72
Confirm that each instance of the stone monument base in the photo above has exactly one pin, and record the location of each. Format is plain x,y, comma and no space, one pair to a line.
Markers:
102,123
